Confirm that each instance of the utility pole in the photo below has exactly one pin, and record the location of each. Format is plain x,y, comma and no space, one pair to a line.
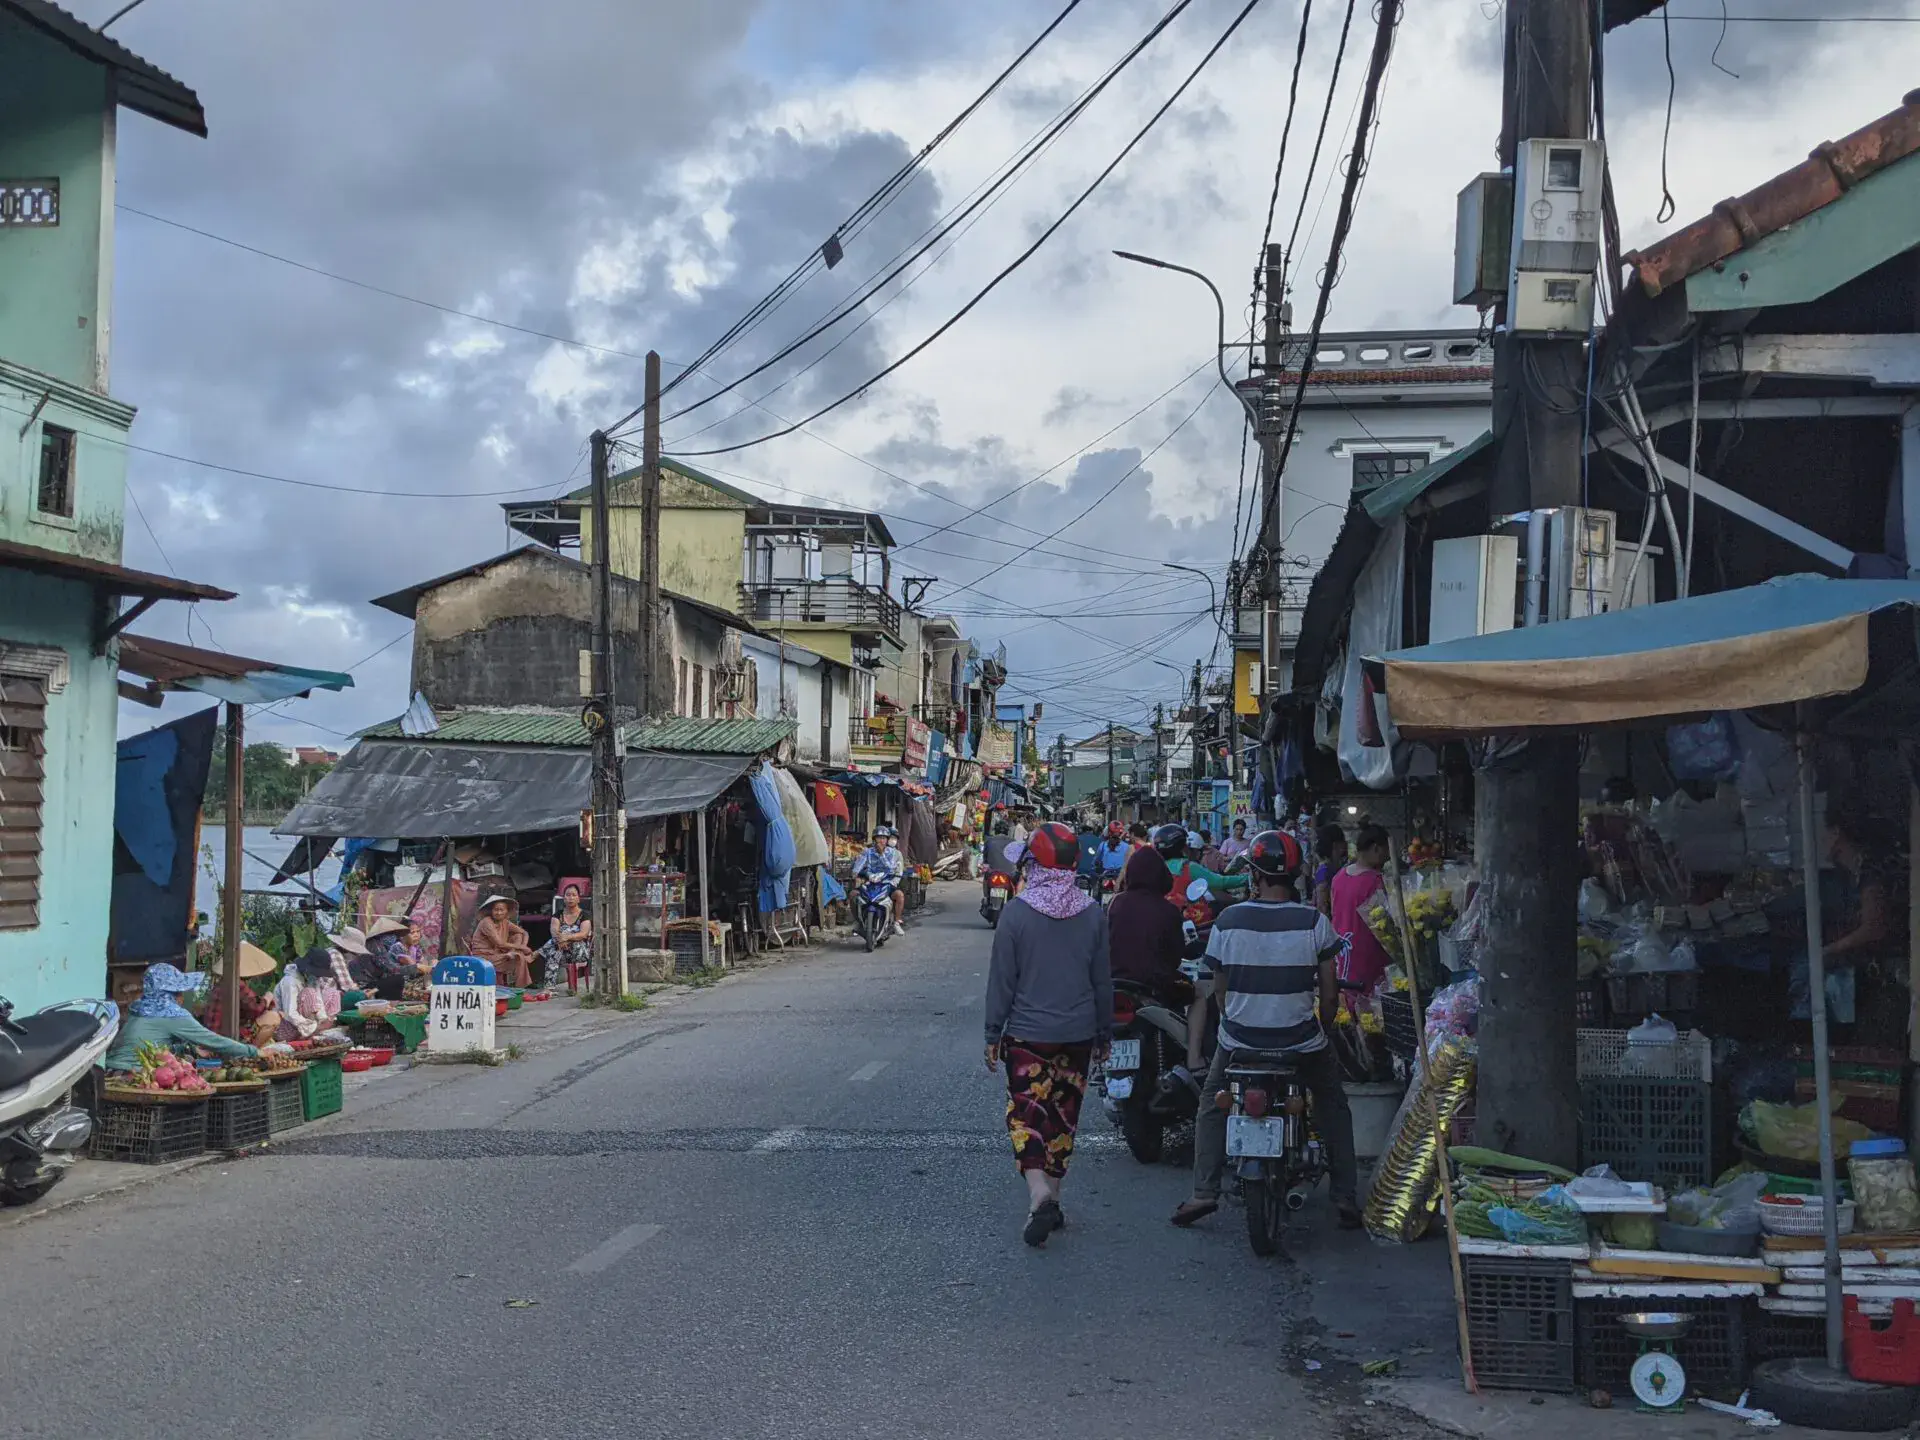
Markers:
1276,316
609,782
1199,745
1159,752
1528,805
1113,797
655,668
1232,609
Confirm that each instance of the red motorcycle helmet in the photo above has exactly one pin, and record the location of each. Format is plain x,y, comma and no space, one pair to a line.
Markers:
1054,846
1273,854
1115,830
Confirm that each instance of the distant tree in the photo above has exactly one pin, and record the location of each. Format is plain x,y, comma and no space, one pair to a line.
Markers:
274,783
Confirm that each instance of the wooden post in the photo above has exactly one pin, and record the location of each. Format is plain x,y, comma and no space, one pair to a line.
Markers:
236,858
700,830
446,903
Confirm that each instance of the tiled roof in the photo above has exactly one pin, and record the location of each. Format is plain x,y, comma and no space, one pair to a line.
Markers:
1832,170
687,734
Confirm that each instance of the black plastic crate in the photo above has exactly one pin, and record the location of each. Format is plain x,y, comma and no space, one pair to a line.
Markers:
1396,1023
685,945
285,1109
1520,1320
148,1134
1656,1130
238,1122
1590,1004
1713,1351
1774,1336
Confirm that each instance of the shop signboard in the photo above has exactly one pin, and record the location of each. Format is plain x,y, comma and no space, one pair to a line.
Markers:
913,753
460,1005
996,746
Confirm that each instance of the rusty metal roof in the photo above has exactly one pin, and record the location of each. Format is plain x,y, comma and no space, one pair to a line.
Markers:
1832,170
139,84
112,579
170,666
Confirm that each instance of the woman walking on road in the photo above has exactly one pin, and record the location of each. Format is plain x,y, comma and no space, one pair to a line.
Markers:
1049,1014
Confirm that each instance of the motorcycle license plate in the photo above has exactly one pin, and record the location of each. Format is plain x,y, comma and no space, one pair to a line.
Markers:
999,891
1125,1055
1248,1136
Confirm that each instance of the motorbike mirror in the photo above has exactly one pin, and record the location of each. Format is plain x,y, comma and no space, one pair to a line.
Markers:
1197,891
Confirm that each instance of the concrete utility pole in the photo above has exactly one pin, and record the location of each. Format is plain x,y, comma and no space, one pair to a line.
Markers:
609,782
1528,805
1113,795
1276,315
1159,751
655,666
1199,745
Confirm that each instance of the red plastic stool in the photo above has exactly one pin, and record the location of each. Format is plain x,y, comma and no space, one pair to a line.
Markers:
575,970
1889,1356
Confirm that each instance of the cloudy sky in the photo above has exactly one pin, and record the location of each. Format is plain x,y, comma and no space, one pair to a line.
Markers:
636,175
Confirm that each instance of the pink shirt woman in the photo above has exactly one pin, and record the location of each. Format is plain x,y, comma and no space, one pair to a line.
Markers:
1354,887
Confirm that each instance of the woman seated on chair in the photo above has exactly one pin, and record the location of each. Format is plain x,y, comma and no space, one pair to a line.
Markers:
498,940
572,942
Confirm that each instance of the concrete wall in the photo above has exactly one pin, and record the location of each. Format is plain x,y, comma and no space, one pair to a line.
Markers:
804,677
512,635
65,956
99,468
56,281
703,536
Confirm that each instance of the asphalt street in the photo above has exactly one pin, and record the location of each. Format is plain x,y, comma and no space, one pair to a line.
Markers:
783,1207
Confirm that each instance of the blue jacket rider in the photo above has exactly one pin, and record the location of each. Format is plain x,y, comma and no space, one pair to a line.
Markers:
883,859
1115,851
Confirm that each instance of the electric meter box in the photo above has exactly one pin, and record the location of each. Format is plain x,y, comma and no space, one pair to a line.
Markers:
1556,236
1483,240
1475,588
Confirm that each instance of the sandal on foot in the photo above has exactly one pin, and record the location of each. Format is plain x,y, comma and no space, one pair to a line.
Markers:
1044,1220
1194,1211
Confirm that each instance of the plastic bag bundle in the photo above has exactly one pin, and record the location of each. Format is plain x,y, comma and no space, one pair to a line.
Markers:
1405,1193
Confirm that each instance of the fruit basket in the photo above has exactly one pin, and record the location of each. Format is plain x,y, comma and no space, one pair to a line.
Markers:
382,1054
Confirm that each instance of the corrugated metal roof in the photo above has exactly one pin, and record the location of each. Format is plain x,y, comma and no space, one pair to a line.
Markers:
684,734
141,85
225,677
495,727
717,736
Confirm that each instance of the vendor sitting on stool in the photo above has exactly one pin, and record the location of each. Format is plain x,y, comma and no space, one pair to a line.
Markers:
259,1014
386,968
497,939
316,996
158,1018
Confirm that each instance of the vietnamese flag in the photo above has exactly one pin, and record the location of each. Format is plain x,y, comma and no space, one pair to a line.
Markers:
830,801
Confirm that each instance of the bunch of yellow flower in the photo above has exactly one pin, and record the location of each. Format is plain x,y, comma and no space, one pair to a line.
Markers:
1430,911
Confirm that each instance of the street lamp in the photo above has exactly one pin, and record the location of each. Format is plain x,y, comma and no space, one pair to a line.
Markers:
1212,593
1220,308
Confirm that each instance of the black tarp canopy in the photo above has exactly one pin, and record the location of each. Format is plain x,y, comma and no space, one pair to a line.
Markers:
420,790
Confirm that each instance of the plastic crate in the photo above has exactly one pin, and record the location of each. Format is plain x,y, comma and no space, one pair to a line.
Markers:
1607,1055
285,1109
1714,1349
1520,1320
238,1122
1590,1003
1668,993
148,1134
685,945
1772,1335
320,1089
1397,1024
1656,1130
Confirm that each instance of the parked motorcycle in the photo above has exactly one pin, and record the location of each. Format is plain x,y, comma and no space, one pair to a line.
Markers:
873,914
42,1057
999,891
1143,1097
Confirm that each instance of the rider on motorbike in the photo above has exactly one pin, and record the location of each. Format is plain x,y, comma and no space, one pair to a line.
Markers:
1270,961
1114,851
1171,842
883,859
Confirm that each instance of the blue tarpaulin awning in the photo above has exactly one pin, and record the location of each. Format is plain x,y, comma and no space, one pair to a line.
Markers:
1798,637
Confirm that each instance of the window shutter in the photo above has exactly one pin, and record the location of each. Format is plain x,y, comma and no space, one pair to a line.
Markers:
23,725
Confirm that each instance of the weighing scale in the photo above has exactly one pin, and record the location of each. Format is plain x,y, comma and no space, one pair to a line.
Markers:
1658,1378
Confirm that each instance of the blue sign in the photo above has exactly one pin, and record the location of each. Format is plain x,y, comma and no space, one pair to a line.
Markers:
463,970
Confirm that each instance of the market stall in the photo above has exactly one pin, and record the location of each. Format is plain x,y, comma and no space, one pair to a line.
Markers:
1719,877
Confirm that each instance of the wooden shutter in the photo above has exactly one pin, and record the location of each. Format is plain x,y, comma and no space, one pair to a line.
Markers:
23,727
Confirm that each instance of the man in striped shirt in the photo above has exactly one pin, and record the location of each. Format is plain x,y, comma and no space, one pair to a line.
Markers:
1270,961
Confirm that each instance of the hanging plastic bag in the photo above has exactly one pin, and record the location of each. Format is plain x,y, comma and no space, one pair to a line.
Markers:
1703,749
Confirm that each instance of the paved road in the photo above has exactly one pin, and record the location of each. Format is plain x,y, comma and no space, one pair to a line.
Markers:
782,1208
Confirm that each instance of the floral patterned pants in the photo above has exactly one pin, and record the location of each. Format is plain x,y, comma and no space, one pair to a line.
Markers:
1045,1084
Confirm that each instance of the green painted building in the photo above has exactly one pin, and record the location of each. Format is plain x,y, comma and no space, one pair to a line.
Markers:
64,596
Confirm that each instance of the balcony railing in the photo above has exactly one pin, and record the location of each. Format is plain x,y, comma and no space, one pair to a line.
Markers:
843,604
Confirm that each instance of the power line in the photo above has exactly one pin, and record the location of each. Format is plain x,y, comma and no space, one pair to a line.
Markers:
863,214
1023,158
1018,260
368,285
1388,22
1320,135
1286,131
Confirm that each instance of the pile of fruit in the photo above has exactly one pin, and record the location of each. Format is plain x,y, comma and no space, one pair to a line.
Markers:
158,1068
236,1072
1424,852
275,1062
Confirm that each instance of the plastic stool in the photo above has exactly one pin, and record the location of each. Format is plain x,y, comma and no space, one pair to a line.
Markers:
575,971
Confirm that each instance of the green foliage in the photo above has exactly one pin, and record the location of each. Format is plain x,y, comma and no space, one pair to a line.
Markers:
274,783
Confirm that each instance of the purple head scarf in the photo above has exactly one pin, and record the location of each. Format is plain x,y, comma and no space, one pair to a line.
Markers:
1054,893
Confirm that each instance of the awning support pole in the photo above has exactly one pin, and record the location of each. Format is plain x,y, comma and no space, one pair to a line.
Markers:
700,838
1822,1069
230,897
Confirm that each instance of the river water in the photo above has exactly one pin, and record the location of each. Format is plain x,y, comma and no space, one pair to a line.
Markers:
264,851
